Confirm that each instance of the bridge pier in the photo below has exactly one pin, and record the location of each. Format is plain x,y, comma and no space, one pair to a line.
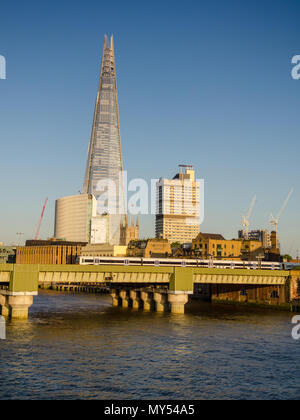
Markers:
19,306
147,298
16,306
178,301
125,298
135,298
4,306
115,297
161,301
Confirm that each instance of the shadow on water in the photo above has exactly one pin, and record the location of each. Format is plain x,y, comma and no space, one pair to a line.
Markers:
79,346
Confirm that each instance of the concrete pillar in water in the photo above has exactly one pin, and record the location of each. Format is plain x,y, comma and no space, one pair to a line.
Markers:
135,297
4,306
19,306
147,298
177,301
115,297
161,301
125,298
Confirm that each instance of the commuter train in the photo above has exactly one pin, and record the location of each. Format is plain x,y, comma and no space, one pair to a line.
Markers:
188,262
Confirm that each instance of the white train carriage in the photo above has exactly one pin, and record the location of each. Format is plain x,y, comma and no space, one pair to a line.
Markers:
179,262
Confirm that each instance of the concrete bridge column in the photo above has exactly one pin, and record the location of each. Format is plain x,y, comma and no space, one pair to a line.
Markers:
125,298
17,306
147,298
161,301
177,301
4,306
136,300
115,297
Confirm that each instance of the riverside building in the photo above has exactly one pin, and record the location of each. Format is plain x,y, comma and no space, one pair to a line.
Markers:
178,206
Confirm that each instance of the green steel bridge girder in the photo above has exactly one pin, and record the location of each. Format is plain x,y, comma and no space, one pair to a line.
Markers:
21,278
25,278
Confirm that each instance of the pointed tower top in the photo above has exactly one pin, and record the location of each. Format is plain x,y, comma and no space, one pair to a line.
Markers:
106,44
112,42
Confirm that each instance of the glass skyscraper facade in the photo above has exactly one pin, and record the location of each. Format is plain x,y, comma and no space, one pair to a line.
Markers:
104,171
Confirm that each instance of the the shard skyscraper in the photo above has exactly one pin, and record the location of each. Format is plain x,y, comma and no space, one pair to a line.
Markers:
104,163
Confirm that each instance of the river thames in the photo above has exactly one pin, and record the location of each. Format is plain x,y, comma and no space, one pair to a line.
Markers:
76,346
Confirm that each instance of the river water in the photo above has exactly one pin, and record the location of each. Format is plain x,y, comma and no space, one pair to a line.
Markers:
78,346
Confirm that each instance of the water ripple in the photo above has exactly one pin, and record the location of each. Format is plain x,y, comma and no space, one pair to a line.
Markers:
78,346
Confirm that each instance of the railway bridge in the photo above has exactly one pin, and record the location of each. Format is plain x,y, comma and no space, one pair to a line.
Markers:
158,288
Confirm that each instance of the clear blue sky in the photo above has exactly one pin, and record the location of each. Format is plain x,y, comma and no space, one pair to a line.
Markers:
200,82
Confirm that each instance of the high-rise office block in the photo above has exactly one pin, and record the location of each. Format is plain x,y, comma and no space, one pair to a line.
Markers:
104,176
178,207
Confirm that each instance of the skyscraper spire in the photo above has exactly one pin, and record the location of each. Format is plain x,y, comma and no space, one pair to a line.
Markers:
104,161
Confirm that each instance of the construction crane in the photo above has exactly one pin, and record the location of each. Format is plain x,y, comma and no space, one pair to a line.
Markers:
41,219
245,219
19,235
274,222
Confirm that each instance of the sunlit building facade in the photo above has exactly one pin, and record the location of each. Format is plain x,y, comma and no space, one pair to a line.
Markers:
178,206
73,216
